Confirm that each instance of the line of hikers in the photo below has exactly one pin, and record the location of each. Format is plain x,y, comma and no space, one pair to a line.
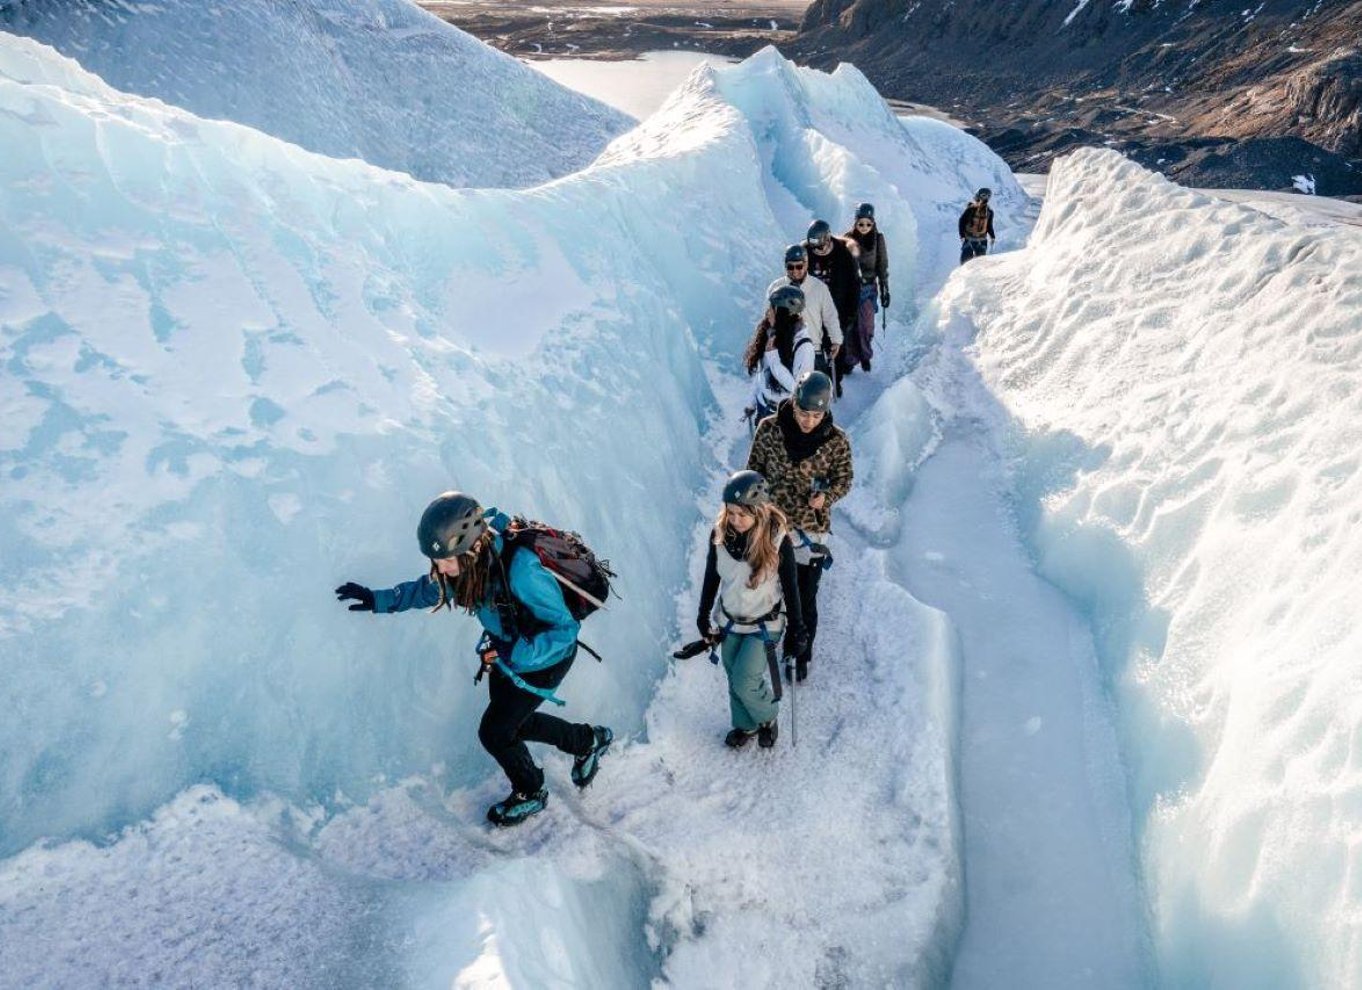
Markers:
821,314
531,586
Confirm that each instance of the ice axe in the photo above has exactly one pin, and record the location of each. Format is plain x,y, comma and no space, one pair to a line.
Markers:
694,649
790,667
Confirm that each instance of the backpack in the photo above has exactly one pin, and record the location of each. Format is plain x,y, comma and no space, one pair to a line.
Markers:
977,225
585,578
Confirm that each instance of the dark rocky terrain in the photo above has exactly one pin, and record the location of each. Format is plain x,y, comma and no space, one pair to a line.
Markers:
619,29
1214,93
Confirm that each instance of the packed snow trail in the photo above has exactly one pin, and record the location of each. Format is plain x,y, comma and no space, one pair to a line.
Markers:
1051,894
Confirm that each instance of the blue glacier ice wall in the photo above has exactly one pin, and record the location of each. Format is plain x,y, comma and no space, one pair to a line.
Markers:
235,370
380,80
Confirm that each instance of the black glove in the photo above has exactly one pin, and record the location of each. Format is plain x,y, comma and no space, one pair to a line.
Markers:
707,632
796,641
363,597
884,299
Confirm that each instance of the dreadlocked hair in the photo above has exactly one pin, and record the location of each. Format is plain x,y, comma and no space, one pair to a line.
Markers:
469,589
763,540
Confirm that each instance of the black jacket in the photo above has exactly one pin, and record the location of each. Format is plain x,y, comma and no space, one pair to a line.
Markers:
967,218
842,274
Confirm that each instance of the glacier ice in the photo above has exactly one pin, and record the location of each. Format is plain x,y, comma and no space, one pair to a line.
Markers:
380,80
237,369
1176,379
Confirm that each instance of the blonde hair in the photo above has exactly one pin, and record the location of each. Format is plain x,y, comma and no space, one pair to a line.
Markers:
469,589
763,539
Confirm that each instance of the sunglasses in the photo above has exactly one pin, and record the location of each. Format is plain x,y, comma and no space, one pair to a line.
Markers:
867,224
796,266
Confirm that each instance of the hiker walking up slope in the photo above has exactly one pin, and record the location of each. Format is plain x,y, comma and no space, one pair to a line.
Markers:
806,461
481,564
779,352
872,254
820,313
750,569
832,260
976,227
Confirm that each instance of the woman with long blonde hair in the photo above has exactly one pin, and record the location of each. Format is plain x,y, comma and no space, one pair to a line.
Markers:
750,571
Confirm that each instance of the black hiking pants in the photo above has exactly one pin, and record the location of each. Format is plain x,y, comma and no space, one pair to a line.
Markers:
808,577
973,247
510,721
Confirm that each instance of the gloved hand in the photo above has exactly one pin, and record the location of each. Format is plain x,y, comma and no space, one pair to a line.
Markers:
707,632
796,641
884,299
363,597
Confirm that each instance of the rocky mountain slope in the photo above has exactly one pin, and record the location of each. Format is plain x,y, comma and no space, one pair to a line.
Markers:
1179,84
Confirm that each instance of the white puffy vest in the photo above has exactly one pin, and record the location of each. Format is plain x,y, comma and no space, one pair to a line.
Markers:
738,601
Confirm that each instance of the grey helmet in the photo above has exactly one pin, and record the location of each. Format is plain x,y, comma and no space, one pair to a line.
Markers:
746,488
789,298
865,211
450,525
795,253
813,392
983,194
819,233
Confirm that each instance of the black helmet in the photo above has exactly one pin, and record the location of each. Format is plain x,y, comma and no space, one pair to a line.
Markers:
450,525
813,392
795,253
819,233
746,488
865,211
789,298
983,194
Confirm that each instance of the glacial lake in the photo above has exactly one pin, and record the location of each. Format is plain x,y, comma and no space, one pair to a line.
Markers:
637,86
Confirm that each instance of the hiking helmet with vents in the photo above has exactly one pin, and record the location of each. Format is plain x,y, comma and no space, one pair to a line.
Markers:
865,211
984,194
813,392
450,526
796,255
789,298
819,233
748,489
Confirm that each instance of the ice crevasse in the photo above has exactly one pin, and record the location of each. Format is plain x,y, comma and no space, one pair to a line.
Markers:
236,370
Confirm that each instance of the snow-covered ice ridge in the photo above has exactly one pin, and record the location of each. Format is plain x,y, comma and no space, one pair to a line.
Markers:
1179,377
380,80
235,372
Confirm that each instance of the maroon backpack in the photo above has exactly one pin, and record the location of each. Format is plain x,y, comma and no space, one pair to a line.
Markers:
584,577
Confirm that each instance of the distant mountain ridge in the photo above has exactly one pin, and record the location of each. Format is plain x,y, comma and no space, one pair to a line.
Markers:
1069,72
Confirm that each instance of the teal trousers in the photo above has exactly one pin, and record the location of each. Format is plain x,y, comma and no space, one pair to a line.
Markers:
750,697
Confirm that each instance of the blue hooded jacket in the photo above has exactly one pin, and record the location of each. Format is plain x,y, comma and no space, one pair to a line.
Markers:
530,583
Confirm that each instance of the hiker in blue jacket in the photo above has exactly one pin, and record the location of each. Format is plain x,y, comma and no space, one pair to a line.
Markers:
528,645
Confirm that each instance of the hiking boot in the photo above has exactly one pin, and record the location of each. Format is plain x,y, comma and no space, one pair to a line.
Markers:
738,738
767,734
584,767
865,365
517,807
